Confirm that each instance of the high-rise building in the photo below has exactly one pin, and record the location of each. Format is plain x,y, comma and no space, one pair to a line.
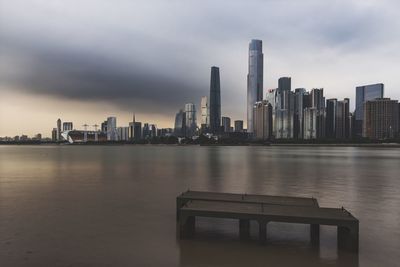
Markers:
53,135
226,124
112,134
191,123
262,120
215,101
330,123
284,110
135,130
238,126
381,119
318,102
180,124
123,133
254,80
104,127
364,94
343,119
59,130
310,123
205,115
298,130
68,126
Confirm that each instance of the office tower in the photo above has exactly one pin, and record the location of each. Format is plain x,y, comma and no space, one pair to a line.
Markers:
238,126
123,133
331,111
364,94
284,110
135,130
310,123
343,119
318,102
112,134
68,126
191,123
254,80
298,113
146,131
180,124
54,135
226,124
381,119
58,130
262,120
205,115
215,101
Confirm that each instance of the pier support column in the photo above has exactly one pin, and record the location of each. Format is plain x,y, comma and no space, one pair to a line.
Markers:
262,226
187,227
347,238
244,229
314,234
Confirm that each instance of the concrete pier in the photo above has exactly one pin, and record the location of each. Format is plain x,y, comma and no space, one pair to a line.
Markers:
267,209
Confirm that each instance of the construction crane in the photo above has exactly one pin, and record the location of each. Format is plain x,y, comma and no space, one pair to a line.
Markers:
95,127
85,126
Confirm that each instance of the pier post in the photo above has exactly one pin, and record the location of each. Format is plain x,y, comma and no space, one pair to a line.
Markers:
347,238
262,231
244,229
187,227
314,234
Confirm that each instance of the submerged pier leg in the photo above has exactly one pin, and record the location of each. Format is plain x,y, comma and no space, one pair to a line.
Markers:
347,238
262,231
187,227
314,234
244,229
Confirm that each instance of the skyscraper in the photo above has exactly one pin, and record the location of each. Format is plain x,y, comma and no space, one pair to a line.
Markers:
180,124
58,130
262,120
191,122
205,115
112,134
331,111
284,109
364,94
254,80
226,124
215,101
298,117
135,130
238,126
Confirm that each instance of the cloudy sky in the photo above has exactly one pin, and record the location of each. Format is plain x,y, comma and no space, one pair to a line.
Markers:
84,60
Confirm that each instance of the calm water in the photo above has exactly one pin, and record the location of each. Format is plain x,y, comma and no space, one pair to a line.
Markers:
115,205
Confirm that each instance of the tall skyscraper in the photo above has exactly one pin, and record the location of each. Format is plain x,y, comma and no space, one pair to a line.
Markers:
59,130
331,111
205,115
135,130
381,119
191,122
284,109
254,80
215,101
298,117
364,94
180,124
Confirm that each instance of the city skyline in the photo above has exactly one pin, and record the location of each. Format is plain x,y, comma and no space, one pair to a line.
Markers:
113,78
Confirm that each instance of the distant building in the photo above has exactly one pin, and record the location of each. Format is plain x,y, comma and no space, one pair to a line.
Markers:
343,119
146,131
54,135
112,134
262,120
238,126
226,124
381,119
310,123
215,101
68,126
284,110
298,130
59,130
76,136
180,124
123,133
38,137
191,122
205,114
331,111
364,94
104,127
135,130
254,80
318,103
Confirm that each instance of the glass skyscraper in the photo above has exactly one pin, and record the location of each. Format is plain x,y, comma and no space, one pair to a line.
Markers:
364,94
254,80
215,101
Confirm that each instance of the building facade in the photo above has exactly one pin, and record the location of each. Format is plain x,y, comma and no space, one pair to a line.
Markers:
205,114
262,120
112,134
180,124
254,80
191,122
226,124
215,101
238,126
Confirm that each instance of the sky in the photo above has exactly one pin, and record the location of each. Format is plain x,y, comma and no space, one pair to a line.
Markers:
85,60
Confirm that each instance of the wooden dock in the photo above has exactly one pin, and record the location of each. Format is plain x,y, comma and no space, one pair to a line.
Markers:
265,209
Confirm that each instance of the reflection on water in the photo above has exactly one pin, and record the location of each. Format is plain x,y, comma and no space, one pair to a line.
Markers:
115,205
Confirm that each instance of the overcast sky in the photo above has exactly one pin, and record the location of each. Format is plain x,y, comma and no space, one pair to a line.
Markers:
84,60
